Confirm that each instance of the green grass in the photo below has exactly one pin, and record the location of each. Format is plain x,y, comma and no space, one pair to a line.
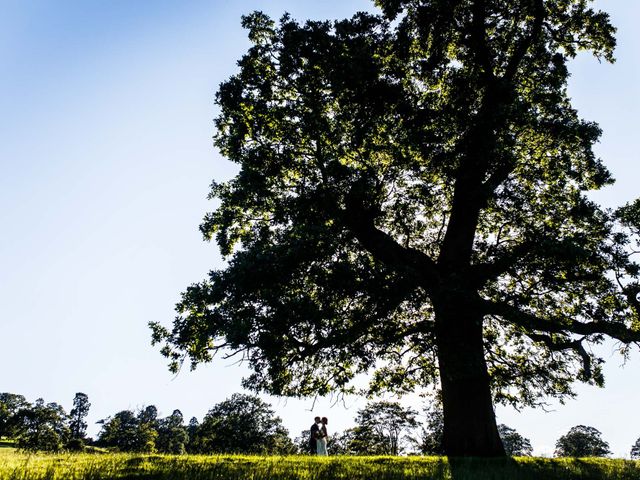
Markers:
19,466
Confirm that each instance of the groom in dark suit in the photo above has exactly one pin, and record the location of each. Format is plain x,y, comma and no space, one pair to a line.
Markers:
313,436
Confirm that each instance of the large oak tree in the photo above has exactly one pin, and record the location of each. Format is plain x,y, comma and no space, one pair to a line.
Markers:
412,203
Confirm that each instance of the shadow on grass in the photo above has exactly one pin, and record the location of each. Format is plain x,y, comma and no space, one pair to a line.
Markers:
542,469
483,468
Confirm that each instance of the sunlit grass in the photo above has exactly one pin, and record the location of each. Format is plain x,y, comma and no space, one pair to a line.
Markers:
21,466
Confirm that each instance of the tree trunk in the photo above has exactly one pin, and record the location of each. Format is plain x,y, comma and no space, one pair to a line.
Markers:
469,420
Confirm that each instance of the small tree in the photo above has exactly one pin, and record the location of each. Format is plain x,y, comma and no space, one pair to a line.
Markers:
149,415
635,450
242,424
147,429
192,430
42,427
582,441
128,432
515,445
78,414
380,426
10,404
119,431
172,434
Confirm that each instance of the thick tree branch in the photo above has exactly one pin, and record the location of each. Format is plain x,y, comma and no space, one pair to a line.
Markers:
526,252
482,273
575,345
563,325
383,247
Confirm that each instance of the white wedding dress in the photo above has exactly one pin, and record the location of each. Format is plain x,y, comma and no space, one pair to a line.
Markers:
322,442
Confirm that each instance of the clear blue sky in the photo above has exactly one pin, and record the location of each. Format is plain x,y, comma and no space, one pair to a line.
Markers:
105,162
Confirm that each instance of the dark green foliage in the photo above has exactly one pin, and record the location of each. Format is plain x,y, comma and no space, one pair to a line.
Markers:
192,429
119,431
515,445
172,434
241,424
582,441
412,203
41,427
10,404
147,431
76,445
149,415
129,432
79,412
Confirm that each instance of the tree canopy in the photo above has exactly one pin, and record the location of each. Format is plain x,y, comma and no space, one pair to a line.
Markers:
41,427
412,204
241,424
129,432
10,404
78,414
582,441
173,435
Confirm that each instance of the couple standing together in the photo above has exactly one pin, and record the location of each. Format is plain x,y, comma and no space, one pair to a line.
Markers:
318,436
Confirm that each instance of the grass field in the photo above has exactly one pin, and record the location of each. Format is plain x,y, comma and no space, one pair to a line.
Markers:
19,466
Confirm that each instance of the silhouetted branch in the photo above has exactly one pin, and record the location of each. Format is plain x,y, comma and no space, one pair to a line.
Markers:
564,325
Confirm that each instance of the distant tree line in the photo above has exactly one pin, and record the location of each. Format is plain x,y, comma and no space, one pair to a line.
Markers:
44,426
240,424
247,424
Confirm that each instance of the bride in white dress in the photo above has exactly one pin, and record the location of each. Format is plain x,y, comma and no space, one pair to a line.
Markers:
322,438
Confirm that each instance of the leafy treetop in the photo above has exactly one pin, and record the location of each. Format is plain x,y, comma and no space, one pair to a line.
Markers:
582,441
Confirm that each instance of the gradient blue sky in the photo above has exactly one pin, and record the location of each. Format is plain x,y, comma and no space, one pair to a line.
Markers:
105,162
